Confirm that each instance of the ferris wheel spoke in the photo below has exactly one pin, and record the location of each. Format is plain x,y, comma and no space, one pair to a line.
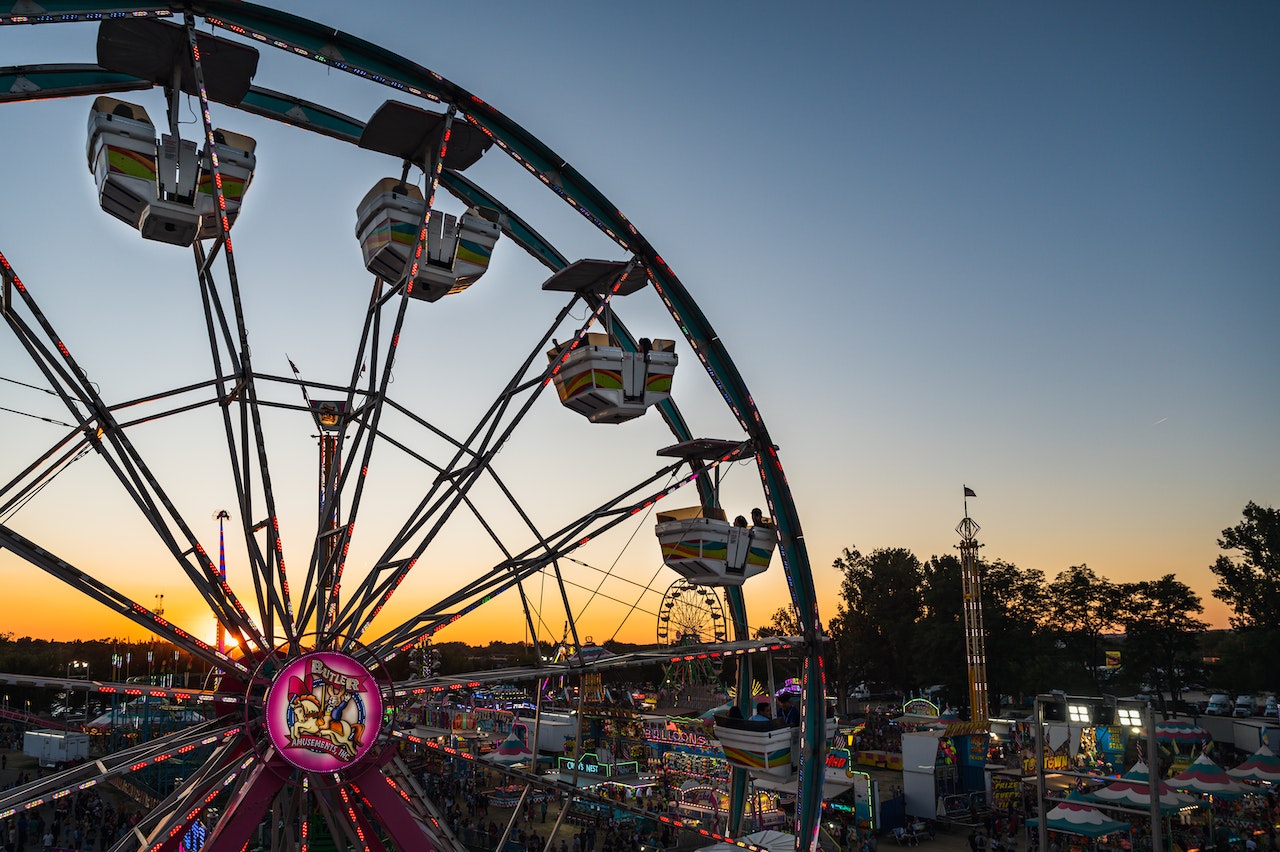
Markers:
333,537
252,794
246,444
266,564
448,490
123,762
510,572
125,462
23,487
167,825
333,444
336,549
81,581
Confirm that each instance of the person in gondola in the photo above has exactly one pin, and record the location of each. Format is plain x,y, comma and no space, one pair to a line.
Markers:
788,714
758,519
762,712
740,522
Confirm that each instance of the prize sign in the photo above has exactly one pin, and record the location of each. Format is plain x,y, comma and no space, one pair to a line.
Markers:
323,711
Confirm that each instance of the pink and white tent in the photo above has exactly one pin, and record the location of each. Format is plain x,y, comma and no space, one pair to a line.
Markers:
1262,765
1205,776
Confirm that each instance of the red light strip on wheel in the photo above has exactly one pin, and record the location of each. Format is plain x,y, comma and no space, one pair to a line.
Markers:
73,17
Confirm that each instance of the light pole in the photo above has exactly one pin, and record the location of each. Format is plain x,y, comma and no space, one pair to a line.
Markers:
77,665
1153,780
1042,827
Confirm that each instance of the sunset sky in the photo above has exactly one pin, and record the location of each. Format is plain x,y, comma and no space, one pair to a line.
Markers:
1033,250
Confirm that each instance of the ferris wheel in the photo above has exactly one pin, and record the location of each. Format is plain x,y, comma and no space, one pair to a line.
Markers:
691,615
441,477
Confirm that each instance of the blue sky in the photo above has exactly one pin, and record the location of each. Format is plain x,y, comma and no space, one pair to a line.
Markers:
1030,249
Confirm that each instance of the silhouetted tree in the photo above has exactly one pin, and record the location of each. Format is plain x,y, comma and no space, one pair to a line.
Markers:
1251,584
1084,606
1162,633
876,615
1020,654
939,636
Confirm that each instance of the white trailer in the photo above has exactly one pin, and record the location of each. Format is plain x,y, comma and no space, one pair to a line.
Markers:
50,748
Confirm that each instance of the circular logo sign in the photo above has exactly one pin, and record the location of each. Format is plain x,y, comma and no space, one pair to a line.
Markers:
323,711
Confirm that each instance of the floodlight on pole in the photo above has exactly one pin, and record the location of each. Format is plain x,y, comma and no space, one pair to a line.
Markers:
1130,717
1079,714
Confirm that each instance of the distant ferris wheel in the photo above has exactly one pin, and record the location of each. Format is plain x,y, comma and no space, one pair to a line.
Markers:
690,615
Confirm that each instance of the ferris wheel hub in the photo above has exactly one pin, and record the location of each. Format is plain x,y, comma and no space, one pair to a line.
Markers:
324,711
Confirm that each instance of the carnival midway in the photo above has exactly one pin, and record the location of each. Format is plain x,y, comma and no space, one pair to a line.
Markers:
311,729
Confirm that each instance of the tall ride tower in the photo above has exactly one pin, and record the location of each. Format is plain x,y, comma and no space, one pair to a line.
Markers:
975,644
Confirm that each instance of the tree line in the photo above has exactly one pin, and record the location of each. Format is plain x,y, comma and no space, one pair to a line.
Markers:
899,623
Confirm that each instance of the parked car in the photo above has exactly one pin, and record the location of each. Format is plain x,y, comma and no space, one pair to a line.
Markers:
1245,705
1219,705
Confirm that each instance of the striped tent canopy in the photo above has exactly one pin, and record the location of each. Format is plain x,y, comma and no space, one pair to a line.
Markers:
1132,789
1205,776
1074,817
1262,765
1182,732
514,749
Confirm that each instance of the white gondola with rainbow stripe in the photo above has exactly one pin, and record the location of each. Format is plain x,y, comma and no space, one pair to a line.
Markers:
607,384
702,546
763,748
458,248
163,188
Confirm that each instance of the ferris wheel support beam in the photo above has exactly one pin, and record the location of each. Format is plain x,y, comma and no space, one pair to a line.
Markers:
165,826
247,399
563,542
393,811
443,507
72,384
334,818
85,775
250,800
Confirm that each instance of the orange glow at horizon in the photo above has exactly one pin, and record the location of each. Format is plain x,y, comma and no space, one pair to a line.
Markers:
27,606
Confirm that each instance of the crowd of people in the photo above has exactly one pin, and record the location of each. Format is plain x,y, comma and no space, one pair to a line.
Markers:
83,822
879,733
463,803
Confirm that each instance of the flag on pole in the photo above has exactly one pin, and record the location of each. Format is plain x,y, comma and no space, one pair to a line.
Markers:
968,492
